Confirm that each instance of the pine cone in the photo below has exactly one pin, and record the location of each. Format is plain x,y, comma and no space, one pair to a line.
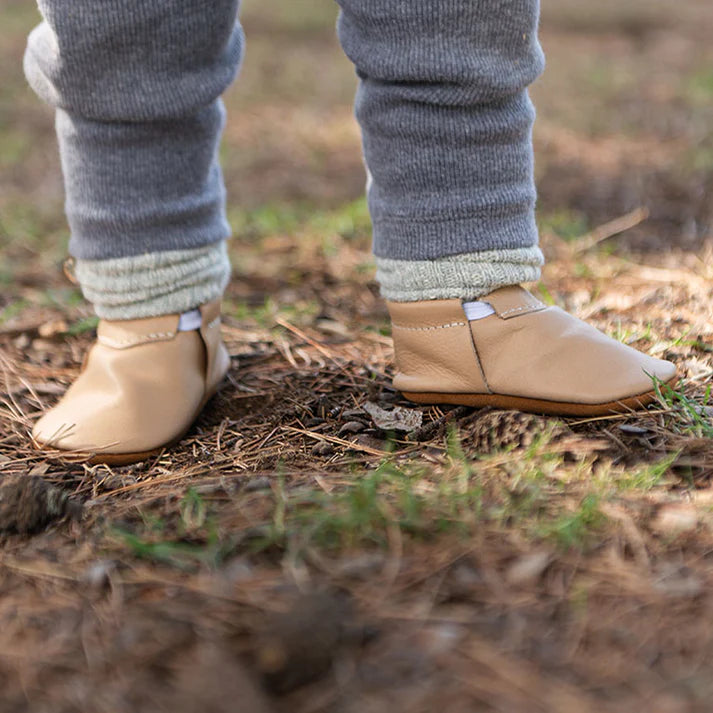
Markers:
492,430
28,503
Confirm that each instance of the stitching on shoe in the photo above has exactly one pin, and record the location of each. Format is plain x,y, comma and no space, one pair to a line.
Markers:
532,305
109,342
430,329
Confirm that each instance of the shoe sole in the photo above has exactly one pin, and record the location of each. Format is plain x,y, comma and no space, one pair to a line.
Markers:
537,406
517,403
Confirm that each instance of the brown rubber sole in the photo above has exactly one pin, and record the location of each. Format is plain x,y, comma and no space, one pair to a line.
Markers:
119,459
538,406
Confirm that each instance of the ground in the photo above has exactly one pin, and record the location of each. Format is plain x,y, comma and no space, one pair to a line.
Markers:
298,553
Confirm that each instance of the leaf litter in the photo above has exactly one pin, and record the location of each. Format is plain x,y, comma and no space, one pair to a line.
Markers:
318,544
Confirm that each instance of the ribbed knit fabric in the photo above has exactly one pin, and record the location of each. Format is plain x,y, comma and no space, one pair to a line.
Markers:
447,122
467,277
166,282
137,85
442,102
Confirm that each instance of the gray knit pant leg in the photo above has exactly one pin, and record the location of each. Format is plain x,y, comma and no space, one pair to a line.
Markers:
447,123
137,85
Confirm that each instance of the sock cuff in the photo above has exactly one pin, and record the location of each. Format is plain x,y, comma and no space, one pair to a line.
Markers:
154,284
468,276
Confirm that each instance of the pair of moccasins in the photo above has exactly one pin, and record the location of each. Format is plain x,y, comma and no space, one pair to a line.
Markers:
144,382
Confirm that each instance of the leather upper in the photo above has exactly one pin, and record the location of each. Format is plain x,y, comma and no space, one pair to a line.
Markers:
142,385
434,347
526,349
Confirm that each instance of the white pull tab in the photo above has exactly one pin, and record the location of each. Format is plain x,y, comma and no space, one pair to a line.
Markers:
477,310
190,321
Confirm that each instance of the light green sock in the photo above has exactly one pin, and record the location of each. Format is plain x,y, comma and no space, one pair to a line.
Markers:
468,277
154,284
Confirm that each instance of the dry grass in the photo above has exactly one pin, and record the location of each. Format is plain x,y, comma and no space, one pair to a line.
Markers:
487,561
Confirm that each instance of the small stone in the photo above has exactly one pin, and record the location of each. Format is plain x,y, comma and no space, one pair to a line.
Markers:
323,448
351,427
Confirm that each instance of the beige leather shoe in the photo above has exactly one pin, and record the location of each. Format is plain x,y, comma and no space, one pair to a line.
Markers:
142,385
526,356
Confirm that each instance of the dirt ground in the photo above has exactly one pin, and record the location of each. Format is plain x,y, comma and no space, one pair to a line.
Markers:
302,551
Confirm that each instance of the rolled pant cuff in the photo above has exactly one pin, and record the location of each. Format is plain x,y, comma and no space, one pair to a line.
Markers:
467,276
155,284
